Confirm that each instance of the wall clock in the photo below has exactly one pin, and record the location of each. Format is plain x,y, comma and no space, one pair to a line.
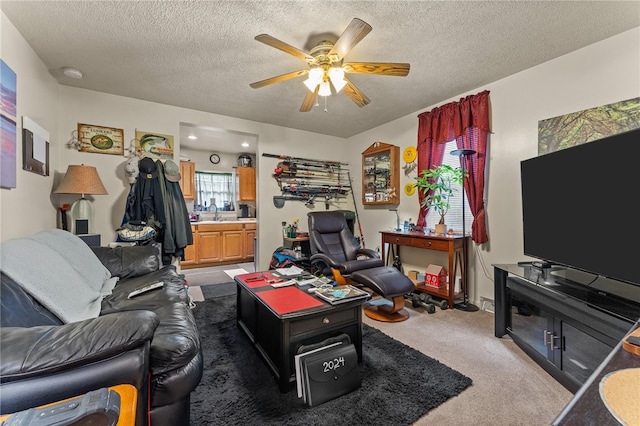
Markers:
214,158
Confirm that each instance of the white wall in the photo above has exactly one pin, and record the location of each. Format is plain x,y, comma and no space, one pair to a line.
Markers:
599,74
29,206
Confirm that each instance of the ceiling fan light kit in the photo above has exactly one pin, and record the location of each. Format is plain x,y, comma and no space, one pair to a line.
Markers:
326,68
322,76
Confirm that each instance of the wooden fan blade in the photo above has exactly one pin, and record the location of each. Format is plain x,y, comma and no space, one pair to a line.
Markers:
381,68
281,45
309,100
355,94
355,32
278,78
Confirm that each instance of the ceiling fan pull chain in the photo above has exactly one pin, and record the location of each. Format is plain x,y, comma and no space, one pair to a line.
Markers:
325,104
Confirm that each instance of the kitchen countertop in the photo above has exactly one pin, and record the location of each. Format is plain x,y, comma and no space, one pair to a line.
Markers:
224,222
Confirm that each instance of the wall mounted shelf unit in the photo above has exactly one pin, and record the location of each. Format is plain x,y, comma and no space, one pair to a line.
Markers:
380,174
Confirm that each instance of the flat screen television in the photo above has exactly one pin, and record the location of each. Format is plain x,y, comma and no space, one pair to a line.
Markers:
579,207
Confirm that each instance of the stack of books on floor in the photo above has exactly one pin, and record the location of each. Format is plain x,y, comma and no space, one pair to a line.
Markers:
327,370
341,294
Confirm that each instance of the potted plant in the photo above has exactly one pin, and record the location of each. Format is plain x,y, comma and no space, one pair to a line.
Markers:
437,186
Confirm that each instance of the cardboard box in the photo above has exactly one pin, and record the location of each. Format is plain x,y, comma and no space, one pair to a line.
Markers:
435,276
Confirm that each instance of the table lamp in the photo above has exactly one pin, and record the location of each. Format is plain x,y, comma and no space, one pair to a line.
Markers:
81,180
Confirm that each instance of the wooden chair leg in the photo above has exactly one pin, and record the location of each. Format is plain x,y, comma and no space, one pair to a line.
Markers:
388,313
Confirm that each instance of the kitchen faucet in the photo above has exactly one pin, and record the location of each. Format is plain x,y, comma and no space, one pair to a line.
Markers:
216,217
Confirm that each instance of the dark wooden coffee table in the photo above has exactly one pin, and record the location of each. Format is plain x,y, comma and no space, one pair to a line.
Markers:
280,320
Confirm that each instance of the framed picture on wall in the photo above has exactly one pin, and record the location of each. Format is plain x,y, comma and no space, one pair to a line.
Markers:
35,148
154,145
8,127
100,140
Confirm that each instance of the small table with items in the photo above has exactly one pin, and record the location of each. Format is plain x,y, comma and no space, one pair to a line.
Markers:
304,251
278,320
452,244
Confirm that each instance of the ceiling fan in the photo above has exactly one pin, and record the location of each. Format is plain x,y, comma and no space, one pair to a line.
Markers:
326,68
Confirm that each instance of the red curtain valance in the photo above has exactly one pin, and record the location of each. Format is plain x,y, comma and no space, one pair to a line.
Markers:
466,121
447,122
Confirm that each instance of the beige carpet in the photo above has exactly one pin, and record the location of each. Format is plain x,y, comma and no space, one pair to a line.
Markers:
508,389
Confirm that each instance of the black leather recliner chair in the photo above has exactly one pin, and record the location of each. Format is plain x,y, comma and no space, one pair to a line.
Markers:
335,251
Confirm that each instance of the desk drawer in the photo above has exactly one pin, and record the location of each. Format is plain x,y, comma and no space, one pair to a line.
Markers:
326,320
423,243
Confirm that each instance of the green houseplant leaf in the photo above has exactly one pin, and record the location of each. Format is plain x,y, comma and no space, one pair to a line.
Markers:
440,180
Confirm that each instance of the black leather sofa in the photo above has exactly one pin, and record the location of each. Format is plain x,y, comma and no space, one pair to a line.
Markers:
150,341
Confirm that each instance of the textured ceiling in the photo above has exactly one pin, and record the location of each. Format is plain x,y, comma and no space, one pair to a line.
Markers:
202,55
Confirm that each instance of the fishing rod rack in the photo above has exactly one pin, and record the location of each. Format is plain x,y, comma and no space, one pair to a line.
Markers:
310,180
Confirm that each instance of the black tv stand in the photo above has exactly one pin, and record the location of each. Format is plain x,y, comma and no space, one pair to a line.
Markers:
560,319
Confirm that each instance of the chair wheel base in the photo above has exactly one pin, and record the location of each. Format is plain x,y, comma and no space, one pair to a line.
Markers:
381,313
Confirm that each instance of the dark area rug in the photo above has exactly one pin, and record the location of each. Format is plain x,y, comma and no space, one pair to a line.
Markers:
399,384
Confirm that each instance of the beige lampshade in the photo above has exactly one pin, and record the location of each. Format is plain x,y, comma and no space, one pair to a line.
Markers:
81,180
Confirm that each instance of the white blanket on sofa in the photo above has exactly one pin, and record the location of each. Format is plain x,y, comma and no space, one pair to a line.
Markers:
60,271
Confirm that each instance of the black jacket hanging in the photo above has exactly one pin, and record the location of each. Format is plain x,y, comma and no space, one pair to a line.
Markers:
148,203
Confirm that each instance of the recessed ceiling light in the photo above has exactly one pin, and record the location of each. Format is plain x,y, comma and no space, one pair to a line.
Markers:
193,137
72,72
245,144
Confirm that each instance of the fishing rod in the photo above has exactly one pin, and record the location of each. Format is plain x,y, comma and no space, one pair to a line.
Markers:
321,165
322,179
293,169
355,208
302,173
309,199
310,160
314,190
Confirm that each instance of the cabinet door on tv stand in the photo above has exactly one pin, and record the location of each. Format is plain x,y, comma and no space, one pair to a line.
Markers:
531,324
582,353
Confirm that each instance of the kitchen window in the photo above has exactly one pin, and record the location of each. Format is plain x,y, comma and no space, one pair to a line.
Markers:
214,191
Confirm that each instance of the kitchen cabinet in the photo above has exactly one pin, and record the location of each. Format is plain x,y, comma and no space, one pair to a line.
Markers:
233,244
380,174
187,179
249,238
246,183
220,243
190,251
209,245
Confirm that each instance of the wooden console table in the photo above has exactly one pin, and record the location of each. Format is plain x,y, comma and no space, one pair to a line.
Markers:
450,244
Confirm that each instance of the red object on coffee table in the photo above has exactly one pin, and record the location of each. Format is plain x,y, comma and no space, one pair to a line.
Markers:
288,299
257,279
